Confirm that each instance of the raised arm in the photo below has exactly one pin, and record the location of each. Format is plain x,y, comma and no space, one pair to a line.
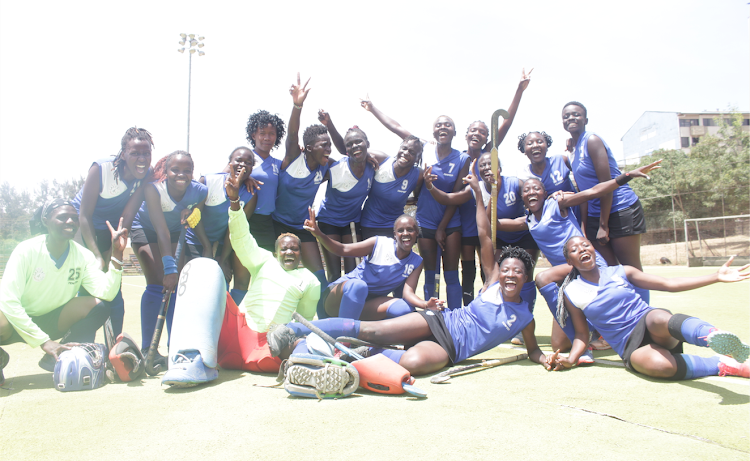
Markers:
725,274
569,200
358,249
487,251
522,85
387,122
299,94
336,138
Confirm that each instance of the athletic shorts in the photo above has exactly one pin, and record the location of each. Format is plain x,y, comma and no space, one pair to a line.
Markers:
262,228
241,348
196,251
368,232
144,236
303,235
104,239
640,337
470,241
430,233
47,323
440,333
527,242
628,221
330,229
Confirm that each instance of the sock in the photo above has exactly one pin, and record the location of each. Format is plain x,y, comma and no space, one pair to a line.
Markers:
468,276
429,284
692,366
150,303
528,294
117,313
334,326
84,331
452,289
398,308
689,329
644,294
237,295
391,354
321,309
354,295
170,315
549,293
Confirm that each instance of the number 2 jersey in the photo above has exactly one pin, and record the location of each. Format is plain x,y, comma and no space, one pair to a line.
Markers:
382,270
485,323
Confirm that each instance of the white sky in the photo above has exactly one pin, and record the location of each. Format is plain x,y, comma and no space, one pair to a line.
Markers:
75,75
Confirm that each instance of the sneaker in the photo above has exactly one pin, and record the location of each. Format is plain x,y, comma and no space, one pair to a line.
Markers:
587,358
726,343
4,359
187,370
47,363
159,360
600,344
517,340
731,367
309,376
280,337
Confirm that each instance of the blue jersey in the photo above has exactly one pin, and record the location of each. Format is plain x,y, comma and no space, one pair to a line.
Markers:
509,206
388,195
468,211
215,216
382,270
556,175
430,212
485,323
194,194
113,195
585,175
345,194
552,231
297,188
613,307
267,172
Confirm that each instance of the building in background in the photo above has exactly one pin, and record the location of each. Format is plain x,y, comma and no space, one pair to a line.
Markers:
671,130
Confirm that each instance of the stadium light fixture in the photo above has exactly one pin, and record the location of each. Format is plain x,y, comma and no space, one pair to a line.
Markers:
192,45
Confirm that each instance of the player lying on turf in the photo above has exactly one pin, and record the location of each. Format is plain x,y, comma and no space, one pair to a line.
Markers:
389,264
277,289
38,302
438,337
649,340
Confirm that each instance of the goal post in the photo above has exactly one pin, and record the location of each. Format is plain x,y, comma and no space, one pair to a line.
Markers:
716,238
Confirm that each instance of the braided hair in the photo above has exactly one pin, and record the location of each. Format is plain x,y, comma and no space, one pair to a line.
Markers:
512,252
312,132
576,103
522,140
141,134
562,313
161,167
261,119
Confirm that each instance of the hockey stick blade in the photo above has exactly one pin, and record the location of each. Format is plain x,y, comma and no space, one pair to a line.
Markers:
446,375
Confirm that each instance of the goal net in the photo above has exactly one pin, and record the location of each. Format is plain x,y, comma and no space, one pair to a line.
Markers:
710,241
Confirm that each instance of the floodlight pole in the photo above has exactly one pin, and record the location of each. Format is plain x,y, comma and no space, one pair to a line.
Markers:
194,46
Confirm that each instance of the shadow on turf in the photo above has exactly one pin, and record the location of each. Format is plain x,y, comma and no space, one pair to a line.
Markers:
16,384
224,377
727,397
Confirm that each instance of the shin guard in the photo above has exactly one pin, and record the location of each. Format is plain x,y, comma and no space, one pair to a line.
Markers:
353,299
452,289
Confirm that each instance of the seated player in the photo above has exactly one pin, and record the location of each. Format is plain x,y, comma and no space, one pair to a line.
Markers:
649,340
278,288
38,302
389,264
442,336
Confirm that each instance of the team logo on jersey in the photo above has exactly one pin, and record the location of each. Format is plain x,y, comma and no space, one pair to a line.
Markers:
619,282
318,178
275,169
38,275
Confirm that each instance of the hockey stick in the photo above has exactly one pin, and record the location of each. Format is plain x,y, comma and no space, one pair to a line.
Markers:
495,164
485,364
407,387
152,369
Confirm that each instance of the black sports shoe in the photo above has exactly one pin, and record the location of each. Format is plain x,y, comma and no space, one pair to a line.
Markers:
280,337
4,359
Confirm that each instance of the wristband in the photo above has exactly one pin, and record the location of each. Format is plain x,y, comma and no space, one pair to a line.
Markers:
115,260
623,179
298,107
429,188
170,266
234,201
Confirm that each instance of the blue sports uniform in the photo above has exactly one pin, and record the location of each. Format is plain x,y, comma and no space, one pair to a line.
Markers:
297,188
113,195
194,194
344,194
509,206
267,172
613,307
485,323
468,211
388,196
555,177
430,212
215,215
382,270
585,175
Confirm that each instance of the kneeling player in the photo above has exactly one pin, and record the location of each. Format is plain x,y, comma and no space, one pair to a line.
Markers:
38,302
277,289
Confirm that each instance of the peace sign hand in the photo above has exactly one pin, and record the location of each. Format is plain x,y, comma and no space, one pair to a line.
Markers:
366,103
232,184
299,91
310,224
525,79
